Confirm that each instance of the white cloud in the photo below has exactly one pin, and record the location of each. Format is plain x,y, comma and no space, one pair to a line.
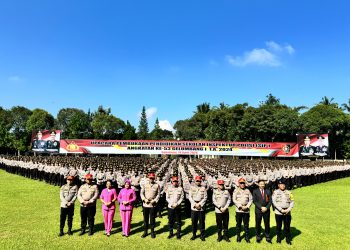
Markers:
150,112
14,78
165,124
269,56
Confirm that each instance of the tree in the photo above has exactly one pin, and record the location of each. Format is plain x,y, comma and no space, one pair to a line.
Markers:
346,106
73,123
40,119
129,132
19,118
203,108
143,126
107,126
156,133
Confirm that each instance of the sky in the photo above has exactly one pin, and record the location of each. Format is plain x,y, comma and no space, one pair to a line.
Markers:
171,56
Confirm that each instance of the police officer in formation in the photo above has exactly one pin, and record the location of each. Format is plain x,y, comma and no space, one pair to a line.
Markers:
150,194
68,195
283,203
262,199
221,202
87,196
198,197
242,198
174,197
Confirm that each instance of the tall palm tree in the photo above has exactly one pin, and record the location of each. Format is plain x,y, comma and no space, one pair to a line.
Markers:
346,106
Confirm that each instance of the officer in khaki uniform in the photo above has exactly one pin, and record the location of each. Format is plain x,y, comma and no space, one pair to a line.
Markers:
174,197
198,197
242,198
68,195
283,203
150,194
87,196
221,201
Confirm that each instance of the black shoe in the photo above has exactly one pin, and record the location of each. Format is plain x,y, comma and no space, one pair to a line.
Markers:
61,234
247,240
193,237
153,235
278,241
239,239
82,232
269,241
258,240
144,235
219,239
289,242
70,232
178,236
90,233
171,235
202,238
226,238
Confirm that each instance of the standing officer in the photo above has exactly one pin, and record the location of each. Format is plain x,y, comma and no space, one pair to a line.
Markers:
150,194
242,198
262,200
283,202
68,194
221,201
174,197
198,197
87,196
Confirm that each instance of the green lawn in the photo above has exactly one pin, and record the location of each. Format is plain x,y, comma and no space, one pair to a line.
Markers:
29,219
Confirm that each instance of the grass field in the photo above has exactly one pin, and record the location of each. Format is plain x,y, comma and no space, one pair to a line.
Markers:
29,219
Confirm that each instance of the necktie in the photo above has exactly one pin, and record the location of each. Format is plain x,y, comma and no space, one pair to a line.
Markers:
262,193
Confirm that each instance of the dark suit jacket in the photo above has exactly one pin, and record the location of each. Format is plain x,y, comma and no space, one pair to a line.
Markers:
259,201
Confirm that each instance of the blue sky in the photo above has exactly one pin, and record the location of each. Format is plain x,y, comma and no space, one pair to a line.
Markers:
171,55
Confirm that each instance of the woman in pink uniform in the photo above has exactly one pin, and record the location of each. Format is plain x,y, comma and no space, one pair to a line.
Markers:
108,198
126,198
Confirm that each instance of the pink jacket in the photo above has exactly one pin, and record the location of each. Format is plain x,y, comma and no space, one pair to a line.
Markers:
108,197
126,194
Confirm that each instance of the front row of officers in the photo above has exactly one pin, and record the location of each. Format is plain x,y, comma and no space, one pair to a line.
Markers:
281,200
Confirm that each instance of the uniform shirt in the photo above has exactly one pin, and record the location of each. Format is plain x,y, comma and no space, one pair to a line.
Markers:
242,197
282,200
68,193
197,195
221,199
88,193
150,191
174,195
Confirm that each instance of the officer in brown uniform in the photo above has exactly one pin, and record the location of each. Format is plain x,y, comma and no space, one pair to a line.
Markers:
242,198
198,197
68,195
283,203
87,196
221,201
150,194
174,197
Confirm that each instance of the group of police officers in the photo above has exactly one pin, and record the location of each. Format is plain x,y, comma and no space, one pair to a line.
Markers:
174,185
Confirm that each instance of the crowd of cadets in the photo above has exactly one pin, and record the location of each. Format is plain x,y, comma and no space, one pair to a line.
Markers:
198,183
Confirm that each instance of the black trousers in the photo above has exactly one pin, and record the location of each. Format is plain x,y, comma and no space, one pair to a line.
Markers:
245,218
258,219
195,217
149,217
66,212
222,221
286,220
174,215
87,214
